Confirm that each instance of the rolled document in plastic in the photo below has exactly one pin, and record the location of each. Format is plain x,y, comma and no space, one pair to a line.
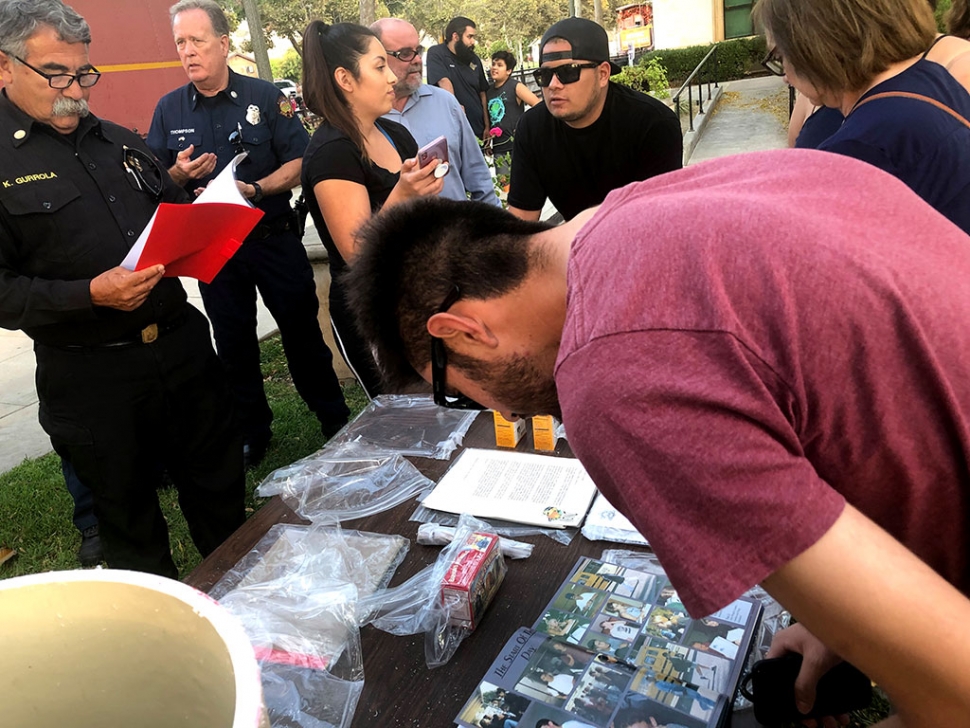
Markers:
432,534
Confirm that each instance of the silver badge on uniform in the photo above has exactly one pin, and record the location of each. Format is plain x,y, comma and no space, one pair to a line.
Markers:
252,114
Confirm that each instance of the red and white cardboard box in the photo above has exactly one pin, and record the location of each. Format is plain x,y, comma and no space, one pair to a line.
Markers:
472,579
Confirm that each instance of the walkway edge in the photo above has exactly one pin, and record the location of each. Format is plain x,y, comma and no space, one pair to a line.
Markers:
700,121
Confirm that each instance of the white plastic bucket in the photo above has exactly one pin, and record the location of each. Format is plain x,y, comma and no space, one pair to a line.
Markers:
106,648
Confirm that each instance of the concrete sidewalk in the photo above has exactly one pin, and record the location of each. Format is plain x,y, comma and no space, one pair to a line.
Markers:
751,115
21,435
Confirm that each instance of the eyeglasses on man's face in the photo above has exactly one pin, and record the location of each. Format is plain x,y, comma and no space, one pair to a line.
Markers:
773,62
406,55
439,364
568,73
61,81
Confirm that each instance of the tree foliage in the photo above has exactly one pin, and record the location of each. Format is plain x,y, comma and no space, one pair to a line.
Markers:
289,66
289,18
510,21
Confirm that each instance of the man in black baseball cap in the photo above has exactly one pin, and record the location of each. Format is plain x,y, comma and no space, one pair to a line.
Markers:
590,135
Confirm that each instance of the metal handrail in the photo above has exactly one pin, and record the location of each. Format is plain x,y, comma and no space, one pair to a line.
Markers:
700,91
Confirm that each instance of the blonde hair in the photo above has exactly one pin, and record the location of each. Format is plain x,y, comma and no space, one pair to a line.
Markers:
841,45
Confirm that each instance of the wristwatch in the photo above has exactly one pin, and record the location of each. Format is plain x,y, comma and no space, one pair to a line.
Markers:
259,192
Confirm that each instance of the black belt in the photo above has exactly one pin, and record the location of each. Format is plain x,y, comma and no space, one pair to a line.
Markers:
146,336
268,228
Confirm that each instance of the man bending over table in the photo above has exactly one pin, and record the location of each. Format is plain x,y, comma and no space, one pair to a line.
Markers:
766,374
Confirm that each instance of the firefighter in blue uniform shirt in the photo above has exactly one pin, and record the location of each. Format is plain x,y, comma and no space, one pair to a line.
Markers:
196,131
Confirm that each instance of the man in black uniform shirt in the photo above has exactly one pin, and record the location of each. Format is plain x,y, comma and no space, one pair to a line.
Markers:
216,115
126,376
589,136
455,67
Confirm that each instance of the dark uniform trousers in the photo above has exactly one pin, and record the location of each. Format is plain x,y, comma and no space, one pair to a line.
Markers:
277,265
118,413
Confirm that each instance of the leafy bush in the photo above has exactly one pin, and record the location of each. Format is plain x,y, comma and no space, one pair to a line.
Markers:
657,77
649,78
736,58
633,76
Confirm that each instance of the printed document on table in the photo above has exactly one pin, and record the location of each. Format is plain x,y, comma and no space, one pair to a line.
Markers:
197,240
539,490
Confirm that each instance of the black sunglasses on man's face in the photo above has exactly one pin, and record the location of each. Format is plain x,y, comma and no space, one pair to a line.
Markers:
439,363
568,73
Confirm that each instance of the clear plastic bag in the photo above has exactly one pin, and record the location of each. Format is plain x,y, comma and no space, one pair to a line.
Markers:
416,605
296,595
324,487
308,647
403,424
296,557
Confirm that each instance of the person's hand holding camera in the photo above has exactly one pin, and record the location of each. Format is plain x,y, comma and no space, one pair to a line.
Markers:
817,659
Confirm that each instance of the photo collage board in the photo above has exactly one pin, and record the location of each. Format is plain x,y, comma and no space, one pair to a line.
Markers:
616,648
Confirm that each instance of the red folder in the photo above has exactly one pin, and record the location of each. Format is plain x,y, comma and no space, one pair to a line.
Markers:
197,240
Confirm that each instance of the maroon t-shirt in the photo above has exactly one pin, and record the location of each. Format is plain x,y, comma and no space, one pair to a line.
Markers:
752,341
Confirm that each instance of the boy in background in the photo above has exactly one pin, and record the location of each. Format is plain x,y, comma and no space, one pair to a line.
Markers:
505,100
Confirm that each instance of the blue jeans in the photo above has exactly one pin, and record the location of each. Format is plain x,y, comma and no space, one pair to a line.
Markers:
84,517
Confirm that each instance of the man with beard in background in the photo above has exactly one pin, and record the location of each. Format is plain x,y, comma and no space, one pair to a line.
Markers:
455,67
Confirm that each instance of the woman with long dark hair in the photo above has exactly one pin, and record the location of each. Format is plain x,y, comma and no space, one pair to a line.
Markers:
356,162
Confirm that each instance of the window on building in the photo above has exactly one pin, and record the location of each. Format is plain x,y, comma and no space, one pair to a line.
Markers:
737,18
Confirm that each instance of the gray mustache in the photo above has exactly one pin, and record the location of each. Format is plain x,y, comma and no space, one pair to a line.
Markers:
70,107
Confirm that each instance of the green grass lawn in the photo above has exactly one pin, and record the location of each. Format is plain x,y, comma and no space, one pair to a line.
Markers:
36,509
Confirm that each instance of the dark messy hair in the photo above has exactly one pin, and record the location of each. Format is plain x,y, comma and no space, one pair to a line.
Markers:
458,25
506,58
325,49
411,256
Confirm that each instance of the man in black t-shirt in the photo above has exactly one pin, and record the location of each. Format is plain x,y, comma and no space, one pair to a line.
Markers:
455,67
589,136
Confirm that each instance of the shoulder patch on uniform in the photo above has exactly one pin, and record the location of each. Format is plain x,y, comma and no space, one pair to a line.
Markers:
286,108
